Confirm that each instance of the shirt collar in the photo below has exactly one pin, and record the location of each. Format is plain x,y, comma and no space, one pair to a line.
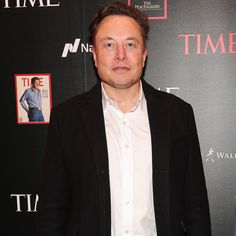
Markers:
107,101
34,89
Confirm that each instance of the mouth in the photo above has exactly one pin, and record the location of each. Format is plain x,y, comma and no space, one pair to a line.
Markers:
121,69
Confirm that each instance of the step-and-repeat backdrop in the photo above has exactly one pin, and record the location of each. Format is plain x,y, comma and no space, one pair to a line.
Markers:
192,54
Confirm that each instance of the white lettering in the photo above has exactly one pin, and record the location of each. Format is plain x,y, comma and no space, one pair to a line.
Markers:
32,3
18,4
6,4
170,90
220,154
223,155
18,203
49,4
85,48
36,203
28,202
28,196
233,155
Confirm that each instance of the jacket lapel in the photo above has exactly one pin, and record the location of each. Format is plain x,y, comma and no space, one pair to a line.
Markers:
92,114
159,120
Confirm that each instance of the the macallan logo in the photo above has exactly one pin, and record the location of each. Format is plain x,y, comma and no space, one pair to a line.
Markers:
30,3
202,44
148,5
75,47
154,9
25,202
212,156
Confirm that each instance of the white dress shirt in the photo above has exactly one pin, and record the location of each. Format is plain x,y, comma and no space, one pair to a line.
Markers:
130,168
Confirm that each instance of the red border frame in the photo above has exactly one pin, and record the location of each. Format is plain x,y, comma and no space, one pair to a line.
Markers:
159,17
50,88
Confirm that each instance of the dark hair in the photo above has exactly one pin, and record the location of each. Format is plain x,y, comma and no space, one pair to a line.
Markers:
122,9
34,79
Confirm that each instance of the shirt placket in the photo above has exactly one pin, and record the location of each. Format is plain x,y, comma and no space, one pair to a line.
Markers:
127,177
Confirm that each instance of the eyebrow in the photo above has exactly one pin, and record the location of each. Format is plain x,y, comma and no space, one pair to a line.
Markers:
106,38
110,38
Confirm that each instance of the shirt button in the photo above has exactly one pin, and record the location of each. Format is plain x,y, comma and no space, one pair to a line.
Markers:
124,122
126,146
126,231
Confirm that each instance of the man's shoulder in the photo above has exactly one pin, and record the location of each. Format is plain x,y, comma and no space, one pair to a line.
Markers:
78,101
164,97
178,109
28,90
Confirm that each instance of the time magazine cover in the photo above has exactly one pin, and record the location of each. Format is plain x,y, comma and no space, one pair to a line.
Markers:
33,98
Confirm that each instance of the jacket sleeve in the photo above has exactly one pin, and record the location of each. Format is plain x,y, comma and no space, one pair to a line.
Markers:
54,193
196,200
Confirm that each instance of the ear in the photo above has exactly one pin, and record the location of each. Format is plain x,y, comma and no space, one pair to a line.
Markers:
94,55
144,56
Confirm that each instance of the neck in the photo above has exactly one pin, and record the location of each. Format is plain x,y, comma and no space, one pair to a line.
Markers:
126,98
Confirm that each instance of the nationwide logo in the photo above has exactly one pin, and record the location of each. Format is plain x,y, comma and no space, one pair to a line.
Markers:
77,46
30,3
213,156
155,9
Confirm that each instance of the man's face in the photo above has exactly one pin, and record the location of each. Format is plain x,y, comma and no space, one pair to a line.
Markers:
119,53
36,84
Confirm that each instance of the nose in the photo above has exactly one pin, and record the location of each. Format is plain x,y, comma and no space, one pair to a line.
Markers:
120,53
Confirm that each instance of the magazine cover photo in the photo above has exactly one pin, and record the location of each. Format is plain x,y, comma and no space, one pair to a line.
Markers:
33,98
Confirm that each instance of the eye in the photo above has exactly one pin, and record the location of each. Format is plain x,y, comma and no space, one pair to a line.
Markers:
130,45
109,45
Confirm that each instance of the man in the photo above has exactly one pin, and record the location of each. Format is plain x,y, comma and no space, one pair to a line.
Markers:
123,158
31,101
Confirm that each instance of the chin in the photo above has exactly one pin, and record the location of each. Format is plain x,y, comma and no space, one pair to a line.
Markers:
122,85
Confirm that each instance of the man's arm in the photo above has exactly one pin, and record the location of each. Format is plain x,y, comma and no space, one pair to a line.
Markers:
23,101
196,200
53,202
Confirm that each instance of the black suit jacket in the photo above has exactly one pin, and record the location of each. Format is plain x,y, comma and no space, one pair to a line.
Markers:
75,194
